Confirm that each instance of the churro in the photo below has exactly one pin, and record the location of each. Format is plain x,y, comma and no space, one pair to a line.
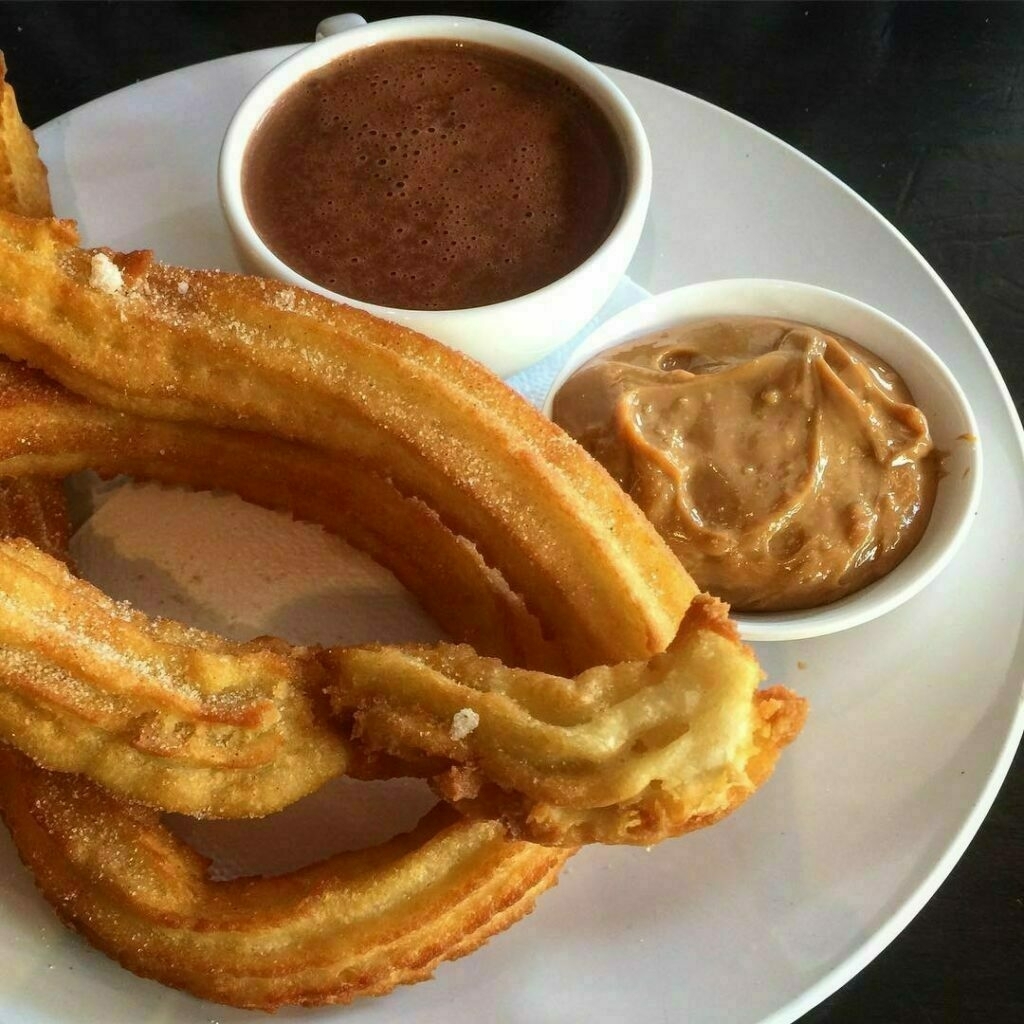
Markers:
170,716
631,753
240,352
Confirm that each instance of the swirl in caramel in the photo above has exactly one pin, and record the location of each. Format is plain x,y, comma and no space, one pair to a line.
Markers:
786,466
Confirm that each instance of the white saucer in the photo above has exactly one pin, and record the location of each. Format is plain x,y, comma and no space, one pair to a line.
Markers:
915,717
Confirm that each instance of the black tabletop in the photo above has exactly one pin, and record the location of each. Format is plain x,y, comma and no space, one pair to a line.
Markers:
919,107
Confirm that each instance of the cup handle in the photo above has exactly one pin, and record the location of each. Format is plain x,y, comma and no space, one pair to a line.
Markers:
339,23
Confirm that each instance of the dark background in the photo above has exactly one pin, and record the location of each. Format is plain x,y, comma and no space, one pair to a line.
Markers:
919,107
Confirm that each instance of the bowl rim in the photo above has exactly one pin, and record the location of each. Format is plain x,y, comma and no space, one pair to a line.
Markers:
774,297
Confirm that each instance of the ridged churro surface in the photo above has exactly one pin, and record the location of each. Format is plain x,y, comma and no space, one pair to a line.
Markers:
630,753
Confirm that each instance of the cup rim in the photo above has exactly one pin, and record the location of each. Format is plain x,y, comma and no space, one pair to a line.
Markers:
588,76
771,297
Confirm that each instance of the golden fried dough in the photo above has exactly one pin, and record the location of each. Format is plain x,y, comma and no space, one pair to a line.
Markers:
354,925
242,352
632,753
184,721
47,430
24,187
35,508
28,508
505,530
53,817
174,717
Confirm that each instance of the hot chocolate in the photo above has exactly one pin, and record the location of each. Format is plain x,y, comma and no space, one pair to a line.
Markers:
434,174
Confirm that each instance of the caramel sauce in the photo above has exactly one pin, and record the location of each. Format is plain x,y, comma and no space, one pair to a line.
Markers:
786,466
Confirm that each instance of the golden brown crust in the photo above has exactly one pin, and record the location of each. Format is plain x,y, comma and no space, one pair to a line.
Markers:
23,181
45,429
357,924
632,753
185,721
28,508
169,716
241,352
36,508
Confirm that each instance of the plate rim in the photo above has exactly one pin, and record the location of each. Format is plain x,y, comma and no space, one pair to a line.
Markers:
928,886
901,916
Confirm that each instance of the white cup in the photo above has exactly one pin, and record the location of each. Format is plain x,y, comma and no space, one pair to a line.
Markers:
505,336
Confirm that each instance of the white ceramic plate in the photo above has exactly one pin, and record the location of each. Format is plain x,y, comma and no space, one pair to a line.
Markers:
915,716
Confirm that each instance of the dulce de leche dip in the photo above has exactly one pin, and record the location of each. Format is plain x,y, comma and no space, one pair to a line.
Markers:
434,174
786,466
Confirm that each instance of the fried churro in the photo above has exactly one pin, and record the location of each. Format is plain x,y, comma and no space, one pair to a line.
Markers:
185,721
240,352
357,924
47,430
170,716
631,753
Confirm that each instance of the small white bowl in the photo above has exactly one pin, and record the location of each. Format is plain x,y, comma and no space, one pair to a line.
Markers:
505,336
936,392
